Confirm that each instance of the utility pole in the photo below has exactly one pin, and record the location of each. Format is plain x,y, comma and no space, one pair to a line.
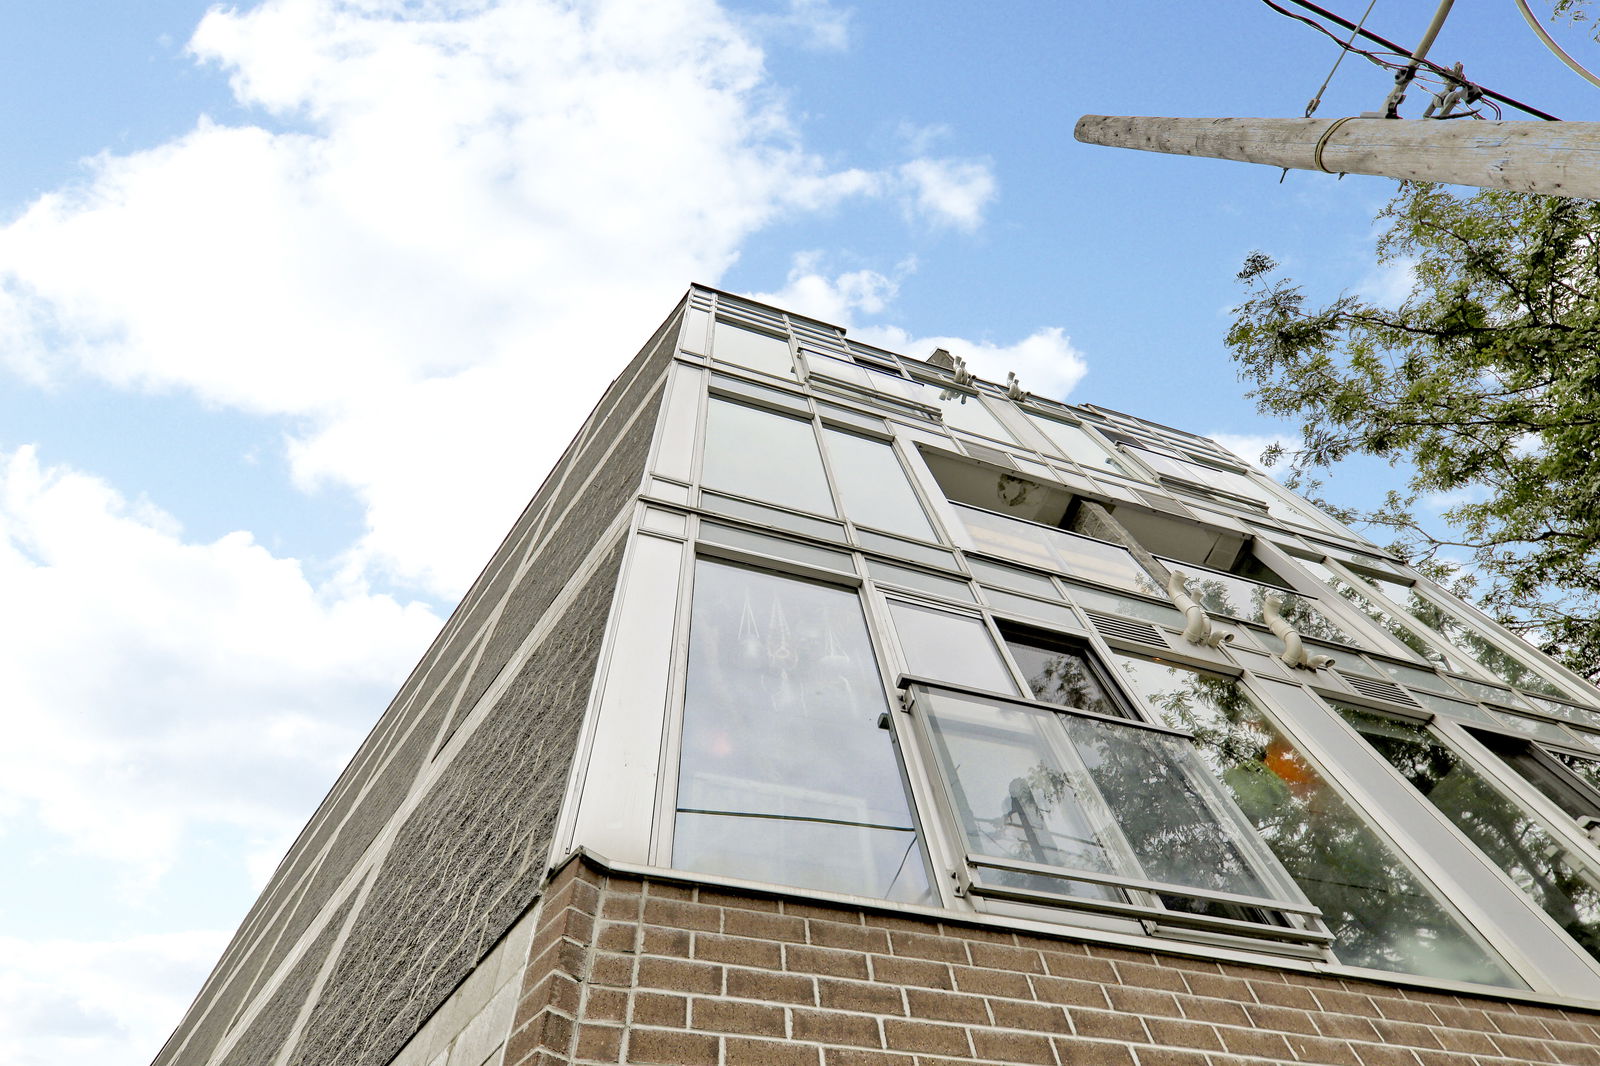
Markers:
1555,158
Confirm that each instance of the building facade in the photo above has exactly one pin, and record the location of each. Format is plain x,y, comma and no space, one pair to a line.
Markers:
830,706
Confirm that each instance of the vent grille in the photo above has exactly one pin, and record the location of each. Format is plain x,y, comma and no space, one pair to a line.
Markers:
1382,690
1125,629
1161,503
992,456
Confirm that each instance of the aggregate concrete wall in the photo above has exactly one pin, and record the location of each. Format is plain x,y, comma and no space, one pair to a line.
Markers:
631,970
596,480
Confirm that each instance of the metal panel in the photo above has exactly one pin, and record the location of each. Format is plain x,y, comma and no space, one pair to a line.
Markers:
617,802
674,456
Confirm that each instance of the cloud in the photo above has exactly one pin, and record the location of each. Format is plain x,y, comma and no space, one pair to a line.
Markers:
815,24
809,291
76,1002
1251,446
450,221
949,192
157,687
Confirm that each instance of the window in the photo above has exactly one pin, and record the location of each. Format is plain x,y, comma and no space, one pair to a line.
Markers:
756,453
1056,549
873,486
1386,621
1076,444
1380,914
1510,837
752,350
785,775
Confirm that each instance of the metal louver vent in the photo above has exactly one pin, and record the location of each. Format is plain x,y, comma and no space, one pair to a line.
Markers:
1383,690
1126,629
1160,503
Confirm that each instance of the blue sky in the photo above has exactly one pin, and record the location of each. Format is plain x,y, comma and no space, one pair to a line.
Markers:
299,299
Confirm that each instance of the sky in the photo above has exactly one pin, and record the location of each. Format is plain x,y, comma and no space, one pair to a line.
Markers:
299,300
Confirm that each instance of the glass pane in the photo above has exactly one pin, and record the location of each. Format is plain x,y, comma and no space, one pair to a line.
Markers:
1055,549
949,647
1463,637
1404,634
1544,774
1077,445
1015,794
780,547
854,418
755,351
1417,678
1380,914
771,516
905,577
764,455
1587,770
1008,577
1229,481
1510,837
1242,598
1111,603
760,393
961,409
1052,611
1533,727
785,774
1060,674
873,486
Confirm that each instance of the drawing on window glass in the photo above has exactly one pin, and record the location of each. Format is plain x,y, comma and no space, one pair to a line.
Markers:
1381,915
1511,838
785,775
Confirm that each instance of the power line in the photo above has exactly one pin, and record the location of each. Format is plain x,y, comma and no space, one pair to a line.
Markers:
1394,49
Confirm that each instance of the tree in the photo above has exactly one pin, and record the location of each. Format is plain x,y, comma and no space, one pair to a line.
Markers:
1483,383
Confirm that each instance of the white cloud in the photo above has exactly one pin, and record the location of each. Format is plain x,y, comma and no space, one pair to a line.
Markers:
473,212
814,24
1389,284
837,299
156,687
949,192
82,1002
1251,446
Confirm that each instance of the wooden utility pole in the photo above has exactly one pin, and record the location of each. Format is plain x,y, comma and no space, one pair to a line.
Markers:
1556,158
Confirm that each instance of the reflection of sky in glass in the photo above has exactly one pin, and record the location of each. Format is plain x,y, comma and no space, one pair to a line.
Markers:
1239,597
1054,549
1387,621
755,453
1077,445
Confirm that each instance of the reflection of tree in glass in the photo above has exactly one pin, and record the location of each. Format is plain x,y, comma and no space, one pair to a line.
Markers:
1481,651
1520,846
1058,675
1239,598
1395,629
1379,914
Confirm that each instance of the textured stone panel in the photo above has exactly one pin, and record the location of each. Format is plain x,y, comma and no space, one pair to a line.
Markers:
469,859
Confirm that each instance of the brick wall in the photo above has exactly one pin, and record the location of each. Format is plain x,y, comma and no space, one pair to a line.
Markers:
643,971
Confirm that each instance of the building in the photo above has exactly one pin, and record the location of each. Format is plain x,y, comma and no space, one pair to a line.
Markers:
829,706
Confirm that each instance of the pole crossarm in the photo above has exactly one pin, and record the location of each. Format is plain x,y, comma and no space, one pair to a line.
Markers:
1555,158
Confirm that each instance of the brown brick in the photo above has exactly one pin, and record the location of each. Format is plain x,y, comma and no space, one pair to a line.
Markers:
824,912
682,915
1219,986
840,1056
617,936
1069,992
1347,1026
727,1016
1465,1042
1574,1054
600,1043
777,987
660,1008
768,1053
860,996
922,946
1037,1017
1215,1011
1168,1056
556,990
1254,1042
1078,967
991,982
1077,1052
920,972
680,976
1320,1049
931,1037
1280,995
1142,975
739,951
1143,1001
664,940
1521,1047
1005,957
547,1030
1174,1033
836,1027
1012,1047
1405,1034
1384,1055
713,897
673,1047
802,958
848,937
1284,1019
1405,1010
904,923
621,906
1106,1025
667,890
615,971
930,1005
606,1005
1342,1002
1518,1024
1437,1058
763,924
